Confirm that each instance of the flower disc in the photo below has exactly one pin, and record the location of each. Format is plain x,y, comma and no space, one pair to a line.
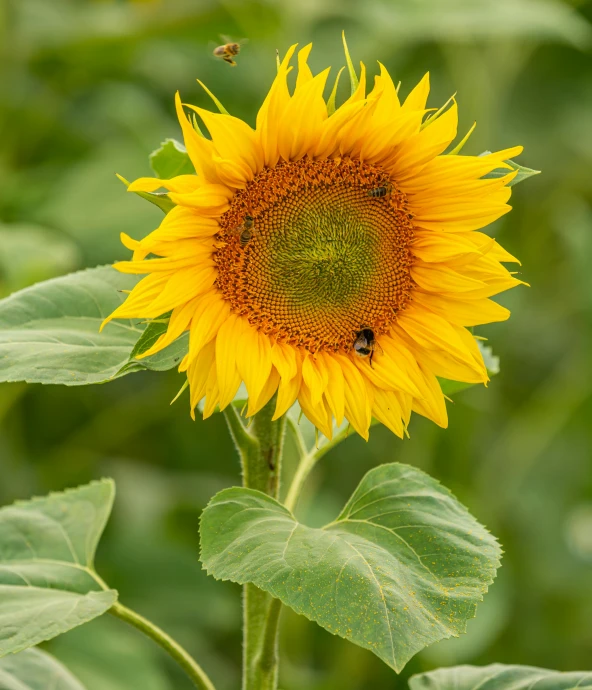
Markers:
325,257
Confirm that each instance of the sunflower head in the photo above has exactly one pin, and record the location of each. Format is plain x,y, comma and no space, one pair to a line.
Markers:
331,256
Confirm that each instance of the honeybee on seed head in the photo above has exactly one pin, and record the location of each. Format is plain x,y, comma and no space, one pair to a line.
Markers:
379,192
245,230
229,50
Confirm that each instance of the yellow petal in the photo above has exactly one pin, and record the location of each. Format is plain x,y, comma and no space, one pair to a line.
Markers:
316,377
253,359
227,339
288,391
440,278
199,149
335,391
211,312
418,97
319,414
432,404
272,110
462,311
198,374
358,400
430,331
182,184
178,324
233,140
271,385
387,410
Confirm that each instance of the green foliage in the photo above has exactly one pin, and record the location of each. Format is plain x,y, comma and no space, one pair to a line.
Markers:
50,332
404,564
160,199
86,91
523,173
500,677
35,670
47,580
166,359
170,160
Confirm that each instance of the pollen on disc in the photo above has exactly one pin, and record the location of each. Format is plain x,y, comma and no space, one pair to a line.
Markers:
325,257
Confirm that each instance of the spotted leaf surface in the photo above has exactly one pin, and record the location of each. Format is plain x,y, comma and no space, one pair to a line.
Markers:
47,580
404,564
500,677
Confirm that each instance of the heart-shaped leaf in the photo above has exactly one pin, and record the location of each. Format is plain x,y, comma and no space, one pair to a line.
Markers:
35,670
500,677
49,333
170,160
47,580
404,564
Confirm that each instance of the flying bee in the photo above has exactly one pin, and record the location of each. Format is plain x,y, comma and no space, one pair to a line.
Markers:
245,231
365,343
229,50
380,192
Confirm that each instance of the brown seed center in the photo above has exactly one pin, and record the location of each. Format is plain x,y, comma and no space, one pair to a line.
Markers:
326,254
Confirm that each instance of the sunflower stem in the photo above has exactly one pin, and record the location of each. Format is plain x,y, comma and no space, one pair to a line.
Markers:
260,450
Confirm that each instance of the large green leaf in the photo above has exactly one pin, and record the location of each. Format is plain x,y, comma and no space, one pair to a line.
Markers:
49,333
47,580
404,564
500,677
170,160
35,670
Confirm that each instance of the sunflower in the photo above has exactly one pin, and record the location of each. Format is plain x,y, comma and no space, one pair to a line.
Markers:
331,256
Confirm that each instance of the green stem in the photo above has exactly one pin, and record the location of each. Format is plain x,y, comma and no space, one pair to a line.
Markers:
260,449
305,467
174,649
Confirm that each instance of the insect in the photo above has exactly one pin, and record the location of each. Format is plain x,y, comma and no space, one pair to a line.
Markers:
245,230
228,51
379,192
365,343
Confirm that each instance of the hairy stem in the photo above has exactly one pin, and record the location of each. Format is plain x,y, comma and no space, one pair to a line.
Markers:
172,648
260,450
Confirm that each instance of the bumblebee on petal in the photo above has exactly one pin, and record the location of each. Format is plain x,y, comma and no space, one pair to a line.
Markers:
365,343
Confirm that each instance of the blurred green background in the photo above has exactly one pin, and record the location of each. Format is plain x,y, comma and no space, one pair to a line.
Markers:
86,90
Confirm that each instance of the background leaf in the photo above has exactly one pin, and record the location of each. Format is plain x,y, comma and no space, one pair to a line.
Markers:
49,333
403,565
500,677
47,579
35,670
170,160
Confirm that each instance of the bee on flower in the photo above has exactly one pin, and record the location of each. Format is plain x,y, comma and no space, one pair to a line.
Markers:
369,264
